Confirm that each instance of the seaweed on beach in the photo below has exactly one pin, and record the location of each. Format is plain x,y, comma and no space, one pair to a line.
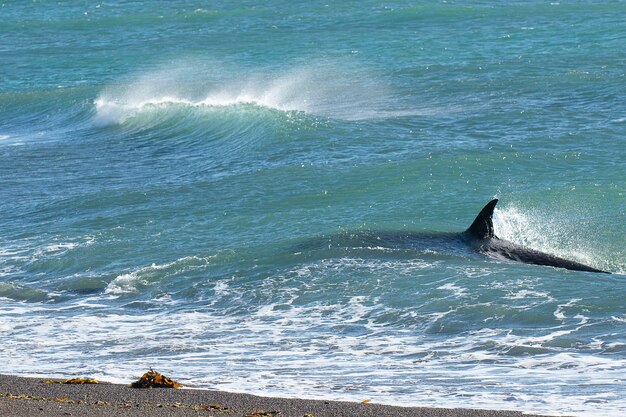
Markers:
153,379
72,381
80,381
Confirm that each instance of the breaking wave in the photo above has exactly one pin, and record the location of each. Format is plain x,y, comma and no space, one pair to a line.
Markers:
324,90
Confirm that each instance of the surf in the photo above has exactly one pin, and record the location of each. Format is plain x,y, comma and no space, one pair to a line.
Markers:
327,89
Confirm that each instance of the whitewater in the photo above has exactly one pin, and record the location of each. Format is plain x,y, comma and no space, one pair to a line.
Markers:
164,169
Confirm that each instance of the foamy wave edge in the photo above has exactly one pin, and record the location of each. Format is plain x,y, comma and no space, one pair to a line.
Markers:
109,112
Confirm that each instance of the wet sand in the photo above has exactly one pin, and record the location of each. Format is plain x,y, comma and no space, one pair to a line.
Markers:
21,396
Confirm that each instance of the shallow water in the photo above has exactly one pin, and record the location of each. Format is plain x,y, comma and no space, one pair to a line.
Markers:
163,168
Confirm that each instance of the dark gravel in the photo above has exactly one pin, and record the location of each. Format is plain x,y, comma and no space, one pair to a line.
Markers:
21,396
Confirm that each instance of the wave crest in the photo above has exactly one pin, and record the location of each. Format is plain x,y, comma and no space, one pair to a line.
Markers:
320,90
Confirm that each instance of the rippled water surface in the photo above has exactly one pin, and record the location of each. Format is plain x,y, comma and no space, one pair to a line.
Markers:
214,190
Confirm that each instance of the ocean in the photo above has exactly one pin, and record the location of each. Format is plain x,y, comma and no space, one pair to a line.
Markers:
165,168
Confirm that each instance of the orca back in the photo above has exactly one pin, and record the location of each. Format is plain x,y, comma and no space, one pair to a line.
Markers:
482,227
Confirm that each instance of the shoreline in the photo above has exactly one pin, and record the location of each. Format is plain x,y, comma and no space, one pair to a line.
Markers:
28,396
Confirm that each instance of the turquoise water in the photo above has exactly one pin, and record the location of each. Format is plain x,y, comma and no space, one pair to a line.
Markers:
165,166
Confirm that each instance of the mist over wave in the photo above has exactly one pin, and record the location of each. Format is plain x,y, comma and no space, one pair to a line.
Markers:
172,160
321,89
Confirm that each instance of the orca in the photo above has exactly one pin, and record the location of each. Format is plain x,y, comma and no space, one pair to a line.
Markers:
479,239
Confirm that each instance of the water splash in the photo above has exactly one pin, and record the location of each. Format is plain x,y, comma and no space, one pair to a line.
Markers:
546,232
324,90
134,281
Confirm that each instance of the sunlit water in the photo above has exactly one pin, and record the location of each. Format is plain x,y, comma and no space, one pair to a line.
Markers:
164,169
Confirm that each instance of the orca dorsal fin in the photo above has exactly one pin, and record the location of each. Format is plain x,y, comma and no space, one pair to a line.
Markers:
482,227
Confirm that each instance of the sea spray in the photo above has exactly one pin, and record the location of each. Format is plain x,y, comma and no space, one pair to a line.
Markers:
170,160
555,232
326,90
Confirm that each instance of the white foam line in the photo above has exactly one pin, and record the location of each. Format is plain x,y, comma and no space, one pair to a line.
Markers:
330,347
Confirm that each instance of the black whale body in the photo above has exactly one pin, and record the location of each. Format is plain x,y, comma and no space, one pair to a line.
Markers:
483,240
478,238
